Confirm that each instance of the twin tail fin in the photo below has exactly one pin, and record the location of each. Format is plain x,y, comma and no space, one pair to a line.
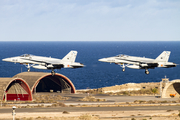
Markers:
164,56
70,57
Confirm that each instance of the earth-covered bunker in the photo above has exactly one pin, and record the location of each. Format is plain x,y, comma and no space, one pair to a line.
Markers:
14,89
46,82
23,85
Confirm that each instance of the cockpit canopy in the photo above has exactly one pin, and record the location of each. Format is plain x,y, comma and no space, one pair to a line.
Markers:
26,55
122,55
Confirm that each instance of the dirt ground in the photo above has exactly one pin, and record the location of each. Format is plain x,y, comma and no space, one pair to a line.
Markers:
97,115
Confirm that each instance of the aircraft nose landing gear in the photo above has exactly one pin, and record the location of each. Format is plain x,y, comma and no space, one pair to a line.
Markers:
123,66
52,72
28,66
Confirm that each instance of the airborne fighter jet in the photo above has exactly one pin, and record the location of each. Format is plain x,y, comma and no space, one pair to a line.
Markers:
40,62
141,62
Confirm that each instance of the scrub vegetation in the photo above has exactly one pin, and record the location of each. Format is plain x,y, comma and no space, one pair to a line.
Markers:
151,91
91,99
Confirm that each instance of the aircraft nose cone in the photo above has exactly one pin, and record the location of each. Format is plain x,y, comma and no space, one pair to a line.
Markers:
6,59
102,60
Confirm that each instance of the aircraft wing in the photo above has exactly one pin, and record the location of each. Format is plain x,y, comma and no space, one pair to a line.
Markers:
133,60
53,62
148,63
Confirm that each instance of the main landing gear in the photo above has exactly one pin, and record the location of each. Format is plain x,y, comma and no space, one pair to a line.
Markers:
147,72
133,67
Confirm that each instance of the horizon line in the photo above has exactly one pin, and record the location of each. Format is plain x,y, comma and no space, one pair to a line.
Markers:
101,41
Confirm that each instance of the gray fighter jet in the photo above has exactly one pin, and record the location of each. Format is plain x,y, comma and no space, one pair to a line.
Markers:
141,62
40,62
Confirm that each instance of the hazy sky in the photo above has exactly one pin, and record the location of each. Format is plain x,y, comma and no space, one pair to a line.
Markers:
89,20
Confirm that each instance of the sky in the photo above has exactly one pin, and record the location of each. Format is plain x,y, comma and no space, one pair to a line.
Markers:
89,20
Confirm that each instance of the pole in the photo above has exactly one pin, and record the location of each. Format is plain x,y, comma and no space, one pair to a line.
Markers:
5,99
13,117
13,112
161,89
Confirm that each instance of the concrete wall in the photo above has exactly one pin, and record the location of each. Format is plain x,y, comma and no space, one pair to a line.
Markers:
173,87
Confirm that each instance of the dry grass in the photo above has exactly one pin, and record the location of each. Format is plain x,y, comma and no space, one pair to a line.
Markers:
91,117
50,98
39,99
91,99
154,101
91,91
82,117
151,91
138,92
88,117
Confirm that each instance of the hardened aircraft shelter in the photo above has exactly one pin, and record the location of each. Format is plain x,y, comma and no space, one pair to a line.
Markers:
171,87
23,85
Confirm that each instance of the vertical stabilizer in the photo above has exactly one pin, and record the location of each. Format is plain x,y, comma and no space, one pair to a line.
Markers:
164,56
70,57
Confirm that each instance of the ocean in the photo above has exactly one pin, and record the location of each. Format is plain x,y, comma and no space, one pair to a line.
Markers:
95,74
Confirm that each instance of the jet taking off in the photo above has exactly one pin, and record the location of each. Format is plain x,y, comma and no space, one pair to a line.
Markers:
141,62
40,62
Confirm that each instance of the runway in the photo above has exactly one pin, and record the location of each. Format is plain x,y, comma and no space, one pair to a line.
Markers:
86,109
76,108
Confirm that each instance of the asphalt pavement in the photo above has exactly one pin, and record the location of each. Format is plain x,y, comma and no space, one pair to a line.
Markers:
74,100
85,109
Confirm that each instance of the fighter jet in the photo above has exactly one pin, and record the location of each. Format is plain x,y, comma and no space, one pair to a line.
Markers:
141,62
40,62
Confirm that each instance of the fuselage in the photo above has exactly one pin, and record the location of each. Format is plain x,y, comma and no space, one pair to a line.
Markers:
32,59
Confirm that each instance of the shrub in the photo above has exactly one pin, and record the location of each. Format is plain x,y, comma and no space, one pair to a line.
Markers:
179,114
65,112
154,90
